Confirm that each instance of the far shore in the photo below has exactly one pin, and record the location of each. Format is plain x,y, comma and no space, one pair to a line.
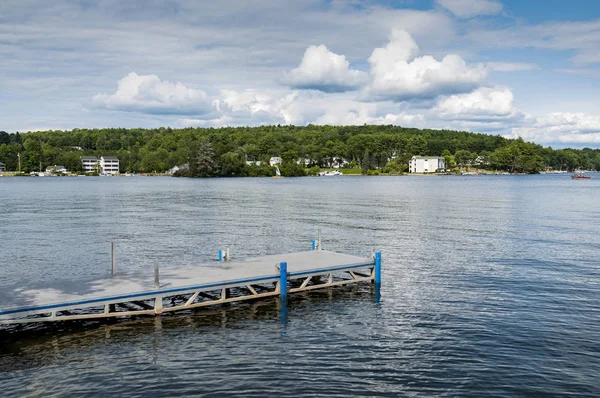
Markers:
377,174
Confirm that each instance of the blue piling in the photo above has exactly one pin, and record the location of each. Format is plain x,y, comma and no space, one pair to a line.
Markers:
221,255
314,245
283,291
377,268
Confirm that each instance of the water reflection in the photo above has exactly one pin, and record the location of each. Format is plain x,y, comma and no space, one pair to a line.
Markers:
33,346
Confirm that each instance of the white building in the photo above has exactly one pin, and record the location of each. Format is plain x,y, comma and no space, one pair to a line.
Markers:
2,166
175,169
275,160
426,164
90,164
338,163
109,165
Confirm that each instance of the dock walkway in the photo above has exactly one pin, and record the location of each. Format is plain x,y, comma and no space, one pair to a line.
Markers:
183,288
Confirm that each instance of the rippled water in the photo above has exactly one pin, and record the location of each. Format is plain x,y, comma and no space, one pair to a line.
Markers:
490,286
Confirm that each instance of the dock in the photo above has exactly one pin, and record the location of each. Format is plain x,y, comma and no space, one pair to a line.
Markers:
169,290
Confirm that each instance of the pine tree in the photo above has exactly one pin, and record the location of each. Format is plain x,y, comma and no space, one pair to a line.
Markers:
204,163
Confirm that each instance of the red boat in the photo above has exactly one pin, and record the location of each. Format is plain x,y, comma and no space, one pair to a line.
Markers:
580,176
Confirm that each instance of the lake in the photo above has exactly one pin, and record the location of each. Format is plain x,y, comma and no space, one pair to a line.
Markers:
490,286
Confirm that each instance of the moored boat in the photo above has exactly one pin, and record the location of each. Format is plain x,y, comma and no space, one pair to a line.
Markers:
580,176
331,173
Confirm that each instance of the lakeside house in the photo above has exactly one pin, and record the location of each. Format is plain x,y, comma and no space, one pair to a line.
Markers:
426,164
90,164
253,162
175,169
338,163
56,169
275,160
109,165
305,161
2,166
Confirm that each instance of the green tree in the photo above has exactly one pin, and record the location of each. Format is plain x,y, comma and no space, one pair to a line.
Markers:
292,169
204,163
32,157
395,166
463,157
449,159
232,165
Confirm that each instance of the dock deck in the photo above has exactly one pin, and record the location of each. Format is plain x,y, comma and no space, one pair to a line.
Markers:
183,288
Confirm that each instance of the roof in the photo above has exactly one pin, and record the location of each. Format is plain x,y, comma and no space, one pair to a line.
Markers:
89,158
2,164
429,157
110,158
55,167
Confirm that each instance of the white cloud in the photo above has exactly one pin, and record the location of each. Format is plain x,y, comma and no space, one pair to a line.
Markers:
397,73
509,66
148,94
324,70
484,102
562,127
471,8
255,107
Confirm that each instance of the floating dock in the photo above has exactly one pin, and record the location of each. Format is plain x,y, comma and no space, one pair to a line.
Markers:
170,290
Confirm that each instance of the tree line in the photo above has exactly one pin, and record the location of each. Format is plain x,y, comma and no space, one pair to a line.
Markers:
304,149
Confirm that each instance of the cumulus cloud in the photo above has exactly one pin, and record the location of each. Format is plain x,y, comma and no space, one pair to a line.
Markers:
471,8
148,94
483,102
255,107
324,70
562,127
398,74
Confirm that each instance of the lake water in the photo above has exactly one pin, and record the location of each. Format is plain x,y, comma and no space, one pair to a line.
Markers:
491,286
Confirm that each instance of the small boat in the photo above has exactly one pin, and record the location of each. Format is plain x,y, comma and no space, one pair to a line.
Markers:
277,173
330,173
580,176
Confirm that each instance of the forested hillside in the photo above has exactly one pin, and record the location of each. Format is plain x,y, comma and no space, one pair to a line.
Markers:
369,147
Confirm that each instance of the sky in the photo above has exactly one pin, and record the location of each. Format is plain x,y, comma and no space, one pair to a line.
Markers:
527,69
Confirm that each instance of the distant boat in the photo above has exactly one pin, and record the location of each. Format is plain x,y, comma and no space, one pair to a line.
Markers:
277,173
330,173
580,176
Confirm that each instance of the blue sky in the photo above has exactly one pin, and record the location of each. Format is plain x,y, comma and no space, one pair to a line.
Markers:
516,68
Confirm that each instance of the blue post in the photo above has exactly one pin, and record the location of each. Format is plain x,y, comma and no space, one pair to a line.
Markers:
377,268
283,280
221,255
314,245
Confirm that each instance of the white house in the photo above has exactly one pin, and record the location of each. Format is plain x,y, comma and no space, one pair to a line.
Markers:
2,166
175,169
426,164
305,161
57,169
90,164
275,160
253,162
109,165
339,163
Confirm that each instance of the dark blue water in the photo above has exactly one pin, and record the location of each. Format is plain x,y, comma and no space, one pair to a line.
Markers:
490,286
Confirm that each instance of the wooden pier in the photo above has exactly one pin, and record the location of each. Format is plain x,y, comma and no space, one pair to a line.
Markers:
170,290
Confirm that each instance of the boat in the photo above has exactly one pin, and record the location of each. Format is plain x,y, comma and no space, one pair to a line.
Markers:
580,176
277,173
331,173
